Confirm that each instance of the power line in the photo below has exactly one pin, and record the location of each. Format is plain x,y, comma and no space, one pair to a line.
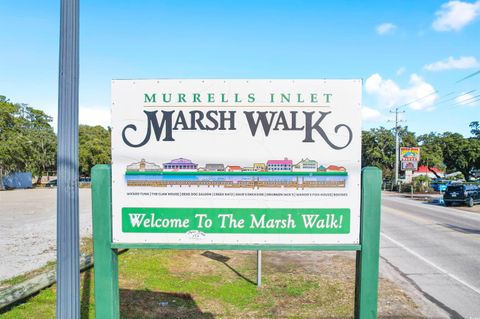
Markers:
477,99
469,76
419,99
453,98
470,98
434,92
460,104
437,91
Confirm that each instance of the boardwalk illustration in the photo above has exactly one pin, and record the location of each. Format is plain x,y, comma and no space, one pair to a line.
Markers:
183,172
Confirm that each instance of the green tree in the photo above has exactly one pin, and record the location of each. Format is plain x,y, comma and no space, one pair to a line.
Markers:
407,138
9,128
475,129
27,141
42,142
378,149
431,153
460,153
94,147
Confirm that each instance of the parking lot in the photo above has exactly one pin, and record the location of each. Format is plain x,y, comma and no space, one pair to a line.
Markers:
28,228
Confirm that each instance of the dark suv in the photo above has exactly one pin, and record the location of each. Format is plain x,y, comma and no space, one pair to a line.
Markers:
463,194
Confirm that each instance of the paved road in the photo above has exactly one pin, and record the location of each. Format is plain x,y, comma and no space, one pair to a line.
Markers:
28,228
437,249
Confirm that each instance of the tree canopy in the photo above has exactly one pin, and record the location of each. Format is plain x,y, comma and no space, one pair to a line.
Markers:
475,129
27,141
450,151
94,147
378,149
460,154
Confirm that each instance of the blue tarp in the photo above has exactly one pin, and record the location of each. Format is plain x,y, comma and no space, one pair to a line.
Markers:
17,180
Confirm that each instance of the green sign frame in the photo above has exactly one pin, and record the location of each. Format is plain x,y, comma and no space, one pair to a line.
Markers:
105,252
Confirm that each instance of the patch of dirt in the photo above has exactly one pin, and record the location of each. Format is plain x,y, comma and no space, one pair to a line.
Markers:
340,267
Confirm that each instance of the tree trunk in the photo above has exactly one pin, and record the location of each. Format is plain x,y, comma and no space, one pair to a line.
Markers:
434,173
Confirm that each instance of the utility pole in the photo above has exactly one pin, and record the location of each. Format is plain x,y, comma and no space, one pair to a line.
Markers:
397,141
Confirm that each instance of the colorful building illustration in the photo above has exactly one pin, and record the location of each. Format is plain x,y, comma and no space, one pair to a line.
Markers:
143,166
259,167
305,165
180,164
305,174
215,167
233,168
279,165
334,168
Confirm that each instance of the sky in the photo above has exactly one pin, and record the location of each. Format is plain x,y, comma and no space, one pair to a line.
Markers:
410,54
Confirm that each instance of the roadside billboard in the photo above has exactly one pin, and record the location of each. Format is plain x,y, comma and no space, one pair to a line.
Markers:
409,165
236,161
410,154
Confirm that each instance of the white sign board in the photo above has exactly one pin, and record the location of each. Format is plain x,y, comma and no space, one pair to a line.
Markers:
236,161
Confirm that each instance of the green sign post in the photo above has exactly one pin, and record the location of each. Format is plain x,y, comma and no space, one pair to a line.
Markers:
106,261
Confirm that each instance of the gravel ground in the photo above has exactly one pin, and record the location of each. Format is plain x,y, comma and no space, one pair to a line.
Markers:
28,228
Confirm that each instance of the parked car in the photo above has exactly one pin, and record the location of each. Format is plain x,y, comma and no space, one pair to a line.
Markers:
462,194
439,185
52,183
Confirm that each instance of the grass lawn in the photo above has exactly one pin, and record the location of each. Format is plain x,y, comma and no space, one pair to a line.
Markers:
200,284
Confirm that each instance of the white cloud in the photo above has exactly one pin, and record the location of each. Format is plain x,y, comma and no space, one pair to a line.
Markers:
420,95
385,28
371,114
400,71
455,15
450,63
467,99
93,115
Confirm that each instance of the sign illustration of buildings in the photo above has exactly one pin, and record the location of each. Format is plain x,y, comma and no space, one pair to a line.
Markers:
215,167
259,167
233,168
143,166
305,165
284,165
183,172
334,168
180,164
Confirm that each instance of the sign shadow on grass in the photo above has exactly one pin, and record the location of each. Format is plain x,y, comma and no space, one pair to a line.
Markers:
156,304
223,259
